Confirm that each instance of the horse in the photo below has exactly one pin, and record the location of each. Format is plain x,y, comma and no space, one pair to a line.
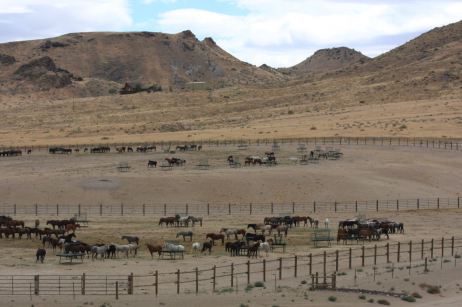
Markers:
173,247
68,238
229,232
265,246
14,223
40,255
185,234
254,237
207,246
111,251
196,246
154,249
282,228
131,239
235,247
195,220
214,237
71,227
252,251
167,221
125,248
133,248
98,250
152,163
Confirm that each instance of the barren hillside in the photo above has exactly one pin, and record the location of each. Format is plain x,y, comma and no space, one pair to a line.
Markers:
413,90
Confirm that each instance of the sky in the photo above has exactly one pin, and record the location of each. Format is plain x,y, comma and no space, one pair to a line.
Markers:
279,33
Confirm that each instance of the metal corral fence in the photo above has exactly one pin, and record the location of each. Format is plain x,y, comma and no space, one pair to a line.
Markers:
435,143
224,277
164,209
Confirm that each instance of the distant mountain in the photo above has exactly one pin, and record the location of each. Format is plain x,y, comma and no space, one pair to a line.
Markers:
326,60
116,58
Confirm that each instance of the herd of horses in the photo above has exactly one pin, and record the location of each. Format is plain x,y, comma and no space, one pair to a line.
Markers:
372,229
11,153
180,221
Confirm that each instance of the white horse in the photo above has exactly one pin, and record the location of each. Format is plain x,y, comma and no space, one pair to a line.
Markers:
133,248
265,246
125,248
173,247
196,247
98,250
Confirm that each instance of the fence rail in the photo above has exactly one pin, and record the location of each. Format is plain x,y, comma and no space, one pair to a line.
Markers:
163,209
435,143
216,277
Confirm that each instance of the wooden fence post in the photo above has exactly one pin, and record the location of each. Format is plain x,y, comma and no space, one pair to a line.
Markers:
214,277
349,258
82,284
375,254
336,261
399,252
397,205
311,263
388,252
452,246
272,209
117,289
324,263
156,279
208,209
130,284
295,266
264,269
438,202
36,284
363,251
418,204
250,208
186,208
293,207
248,272
356,206
14,209
458,202
232,275
229,208
100,209
431,249
144,209
122,209
314,207
178,281
410,251
442,247
165,209
197,280
335,206
36,209
280,268
57,209
422,249
79,211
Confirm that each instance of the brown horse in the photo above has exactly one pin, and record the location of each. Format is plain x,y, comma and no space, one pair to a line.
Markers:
154,249
215,236
167,221
14,223
253,250
71,227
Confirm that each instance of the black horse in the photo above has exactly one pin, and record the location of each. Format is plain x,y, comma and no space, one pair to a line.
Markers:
254,237
152,163
40,255
207,246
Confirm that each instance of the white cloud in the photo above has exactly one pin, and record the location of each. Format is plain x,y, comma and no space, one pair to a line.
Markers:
284,32
29,19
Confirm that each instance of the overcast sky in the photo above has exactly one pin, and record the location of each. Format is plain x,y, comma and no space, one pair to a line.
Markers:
276,32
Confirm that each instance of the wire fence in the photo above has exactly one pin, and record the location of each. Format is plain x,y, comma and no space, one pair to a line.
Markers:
434,143
206,209
224,277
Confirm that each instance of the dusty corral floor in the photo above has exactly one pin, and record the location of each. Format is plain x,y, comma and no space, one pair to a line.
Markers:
363,173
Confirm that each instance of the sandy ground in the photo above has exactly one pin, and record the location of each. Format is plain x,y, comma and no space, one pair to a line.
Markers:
364,173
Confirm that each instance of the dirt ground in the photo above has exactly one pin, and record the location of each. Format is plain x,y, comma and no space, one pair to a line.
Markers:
363,173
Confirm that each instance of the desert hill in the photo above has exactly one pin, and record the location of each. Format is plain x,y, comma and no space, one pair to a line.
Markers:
412,90
326,60
111,59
